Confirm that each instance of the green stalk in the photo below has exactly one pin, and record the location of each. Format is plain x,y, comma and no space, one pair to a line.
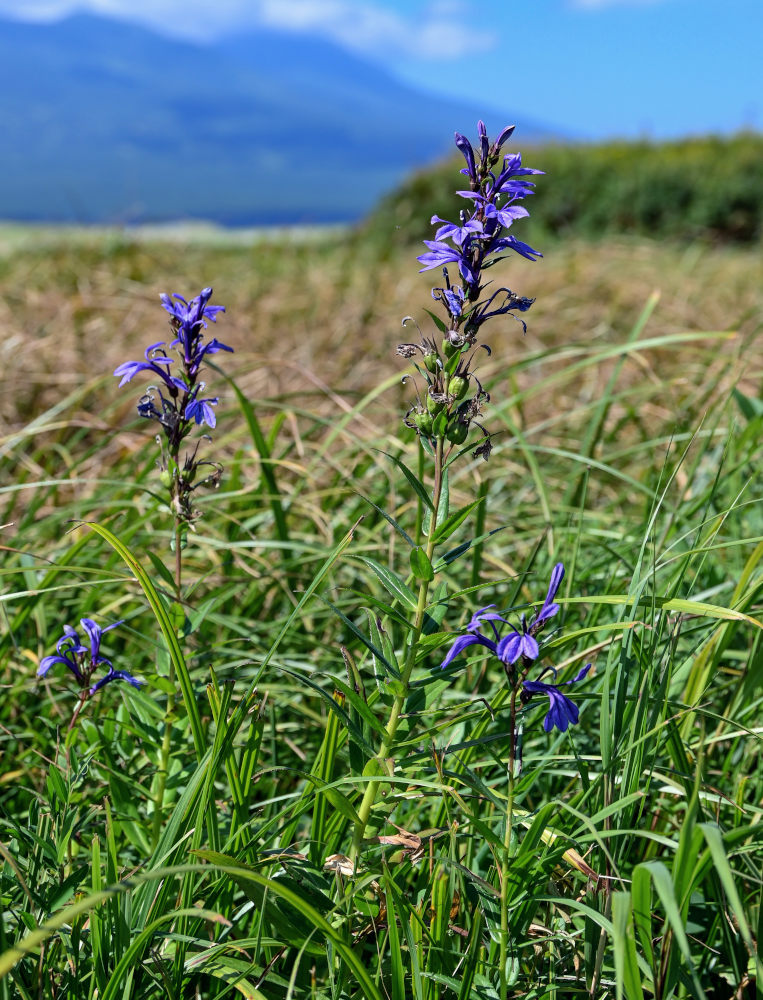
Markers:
372,788
507,848
164,756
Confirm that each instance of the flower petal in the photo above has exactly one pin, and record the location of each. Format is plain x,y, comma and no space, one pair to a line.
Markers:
462,643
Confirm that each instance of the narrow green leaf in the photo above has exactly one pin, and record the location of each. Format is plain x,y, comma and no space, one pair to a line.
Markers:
165,624
394,584
437,320
395,951
266,462
417,486
246,877
388,517
750,406
627,975
455,520
660,876
421,567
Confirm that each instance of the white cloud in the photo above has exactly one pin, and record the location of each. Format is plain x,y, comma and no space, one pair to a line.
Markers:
438,33
441,31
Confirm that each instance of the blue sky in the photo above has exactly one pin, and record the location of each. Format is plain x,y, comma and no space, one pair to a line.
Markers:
591,68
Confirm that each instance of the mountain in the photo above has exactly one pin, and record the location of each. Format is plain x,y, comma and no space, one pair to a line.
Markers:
103,121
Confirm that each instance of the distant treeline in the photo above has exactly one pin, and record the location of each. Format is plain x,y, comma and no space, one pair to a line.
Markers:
709,189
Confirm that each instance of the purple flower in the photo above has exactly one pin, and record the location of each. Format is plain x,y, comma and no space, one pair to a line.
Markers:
466,148
462,643
517,644
68,647
520,645
201,410
512,243
193,313
95,634
130,369
485,615
83,660
512,167
440,254
452,297
458,234
562,711
190,320
115,675
549,609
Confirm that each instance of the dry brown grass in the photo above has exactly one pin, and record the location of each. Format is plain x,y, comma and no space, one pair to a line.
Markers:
324,317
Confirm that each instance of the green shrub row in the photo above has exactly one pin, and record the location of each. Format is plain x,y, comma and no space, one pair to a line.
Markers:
709,189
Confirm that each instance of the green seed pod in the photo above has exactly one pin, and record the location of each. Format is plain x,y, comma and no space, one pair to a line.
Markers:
457,432
449,349
423,421
457,386
433,406
166,477
432,362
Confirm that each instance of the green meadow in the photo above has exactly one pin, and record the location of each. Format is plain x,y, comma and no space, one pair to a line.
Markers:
200,836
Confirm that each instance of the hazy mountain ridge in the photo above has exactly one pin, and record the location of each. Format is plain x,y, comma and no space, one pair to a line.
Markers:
109,122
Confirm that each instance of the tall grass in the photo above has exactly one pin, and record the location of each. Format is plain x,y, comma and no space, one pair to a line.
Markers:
628,447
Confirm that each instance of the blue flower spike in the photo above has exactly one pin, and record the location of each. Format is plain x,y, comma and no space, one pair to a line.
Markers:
175,398
479,239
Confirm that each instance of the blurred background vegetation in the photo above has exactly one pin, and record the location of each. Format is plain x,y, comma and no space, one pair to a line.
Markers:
708,189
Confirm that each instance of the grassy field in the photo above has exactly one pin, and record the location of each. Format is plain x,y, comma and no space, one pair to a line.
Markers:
627,426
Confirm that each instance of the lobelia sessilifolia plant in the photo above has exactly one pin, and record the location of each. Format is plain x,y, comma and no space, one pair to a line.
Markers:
176,402
449,400
449,396
519,652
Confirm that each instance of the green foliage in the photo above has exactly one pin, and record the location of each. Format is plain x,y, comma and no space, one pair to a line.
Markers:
707,189
635,847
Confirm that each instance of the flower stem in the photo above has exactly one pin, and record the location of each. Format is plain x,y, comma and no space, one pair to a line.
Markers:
164,756
507,847
372,788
